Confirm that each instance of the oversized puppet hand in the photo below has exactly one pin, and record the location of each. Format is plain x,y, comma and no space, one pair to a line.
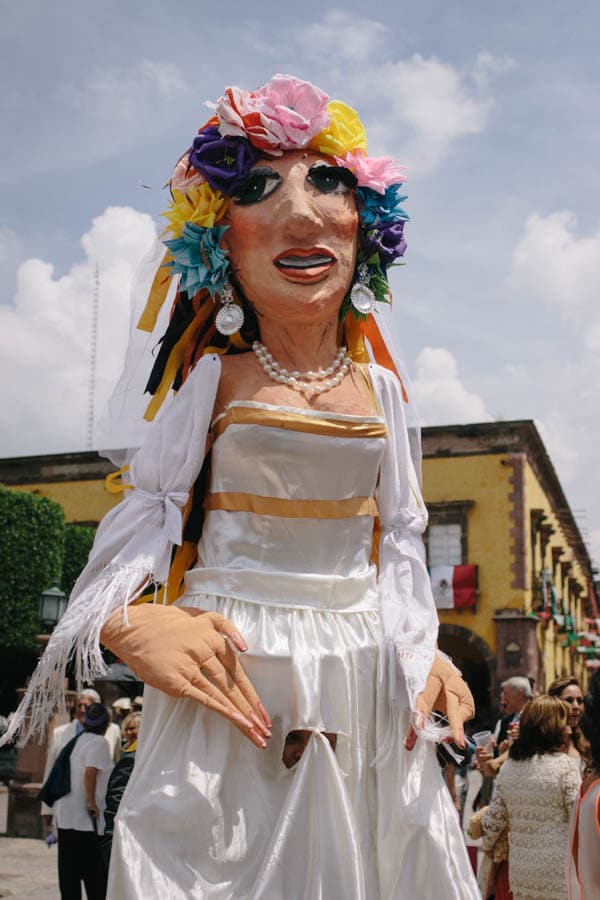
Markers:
187,653
446,692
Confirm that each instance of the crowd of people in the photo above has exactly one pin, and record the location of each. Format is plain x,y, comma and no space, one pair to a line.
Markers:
538,809
100,760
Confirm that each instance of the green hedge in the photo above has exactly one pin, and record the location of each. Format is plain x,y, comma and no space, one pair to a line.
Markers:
78,542
31,557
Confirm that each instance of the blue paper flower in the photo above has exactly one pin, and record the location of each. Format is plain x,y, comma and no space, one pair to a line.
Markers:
380,209
199,258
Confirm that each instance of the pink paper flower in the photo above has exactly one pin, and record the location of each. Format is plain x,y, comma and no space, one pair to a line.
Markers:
284,114
375,172
184,176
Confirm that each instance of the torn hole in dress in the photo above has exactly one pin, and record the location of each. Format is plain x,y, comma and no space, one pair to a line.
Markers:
296,742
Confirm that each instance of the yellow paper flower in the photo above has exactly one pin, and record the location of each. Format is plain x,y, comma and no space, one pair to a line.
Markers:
200,205
344,133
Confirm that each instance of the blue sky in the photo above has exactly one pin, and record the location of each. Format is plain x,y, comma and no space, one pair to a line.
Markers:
493,107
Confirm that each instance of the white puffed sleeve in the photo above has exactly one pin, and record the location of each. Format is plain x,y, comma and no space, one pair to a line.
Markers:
132,547
409,616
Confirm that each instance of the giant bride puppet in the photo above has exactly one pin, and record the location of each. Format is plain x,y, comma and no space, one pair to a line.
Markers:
264,572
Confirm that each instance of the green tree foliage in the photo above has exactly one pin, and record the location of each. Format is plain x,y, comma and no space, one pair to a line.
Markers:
31,558
78,542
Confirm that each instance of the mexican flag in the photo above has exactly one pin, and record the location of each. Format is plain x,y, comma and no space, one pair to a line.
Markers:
454,587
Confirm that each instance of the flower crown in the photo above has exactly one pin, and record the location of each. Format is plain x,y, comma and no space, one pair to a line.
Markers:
285,114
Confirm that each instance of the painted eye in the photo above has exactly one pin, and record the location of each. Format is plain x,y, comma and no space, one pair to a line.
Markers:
331,179
261,182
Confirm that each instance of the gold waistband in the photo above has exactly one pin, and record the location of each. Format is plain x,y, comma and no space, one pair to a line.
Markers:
293,421
233,501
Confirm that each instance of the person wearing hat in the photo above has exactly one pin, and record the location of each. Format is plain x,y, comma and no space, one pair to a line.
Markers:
62,734
121,708
79,815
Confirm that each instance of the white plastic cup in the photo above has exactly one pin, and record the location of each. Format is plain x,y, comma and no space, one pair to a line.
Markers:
483,739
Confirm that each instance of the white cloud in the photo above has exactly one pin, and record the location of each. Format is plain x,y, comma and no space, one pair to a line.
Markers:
554,265
93,118
559,269
111,107
422,104
9,245
120,95
441,397
11,250
432,99
594,544
487,64
557,434
45,335
343,38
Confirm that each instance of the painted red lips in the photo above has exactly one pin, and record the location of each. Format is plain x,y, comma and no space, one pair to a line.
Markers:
302,264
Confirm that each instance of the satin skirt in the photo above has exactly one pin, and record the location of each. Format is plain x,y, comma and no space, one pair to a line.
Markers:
209,816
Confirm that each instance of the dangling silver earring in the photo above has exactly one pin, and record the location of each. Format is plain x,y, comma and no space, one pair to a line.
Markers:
230,317
362,297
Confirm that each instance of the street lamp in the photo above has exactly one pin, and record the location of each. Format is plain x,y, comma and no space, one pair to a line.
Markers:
53,603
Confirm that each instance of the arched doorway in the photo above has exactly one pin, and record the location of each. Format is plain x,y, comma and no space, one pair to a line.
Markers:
473,656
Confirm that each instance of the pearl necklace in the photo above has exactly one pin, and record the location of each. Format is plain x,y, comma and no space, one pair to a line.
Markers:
309,383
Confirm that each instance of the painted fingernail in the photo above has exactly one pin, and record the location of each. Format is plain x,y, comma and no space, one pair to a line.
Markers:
410,740
260,725
239,641
264,727
265,715
258,739
242,720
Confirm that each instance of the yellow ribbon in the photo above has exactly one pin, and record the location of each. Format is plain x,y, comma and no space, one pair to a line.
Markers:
156,297
113,486
237,501
276,418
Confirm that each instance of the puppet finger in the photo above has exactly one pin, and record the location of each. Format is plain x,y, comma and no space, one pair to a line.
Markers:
455,719
419,719
225,680
230,661
229,630
203,691
411,738
220,625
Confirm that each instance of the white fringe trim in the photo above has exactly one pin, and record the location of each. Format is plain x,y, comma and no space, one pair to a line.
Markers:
77,636
409,671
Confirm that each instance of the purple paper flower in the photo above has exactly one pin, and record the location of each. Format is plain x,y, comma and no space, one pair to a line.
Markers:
387,241
224,161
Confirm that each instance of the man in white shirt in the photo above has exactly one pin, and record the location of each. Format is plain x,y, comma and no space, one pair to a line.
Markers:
79,815
61,736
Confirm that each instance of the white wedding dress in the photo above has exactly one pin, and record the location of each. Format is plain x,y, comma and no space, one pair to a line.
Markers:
286,555
341,628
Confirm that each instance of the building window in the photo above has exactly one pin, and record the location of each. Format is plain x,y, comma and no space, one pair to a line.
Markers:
446,537
513,658
445,545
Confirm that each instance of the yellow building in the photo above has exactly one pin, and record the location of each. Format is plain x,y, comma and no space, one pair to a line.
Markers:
496,503
75,480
